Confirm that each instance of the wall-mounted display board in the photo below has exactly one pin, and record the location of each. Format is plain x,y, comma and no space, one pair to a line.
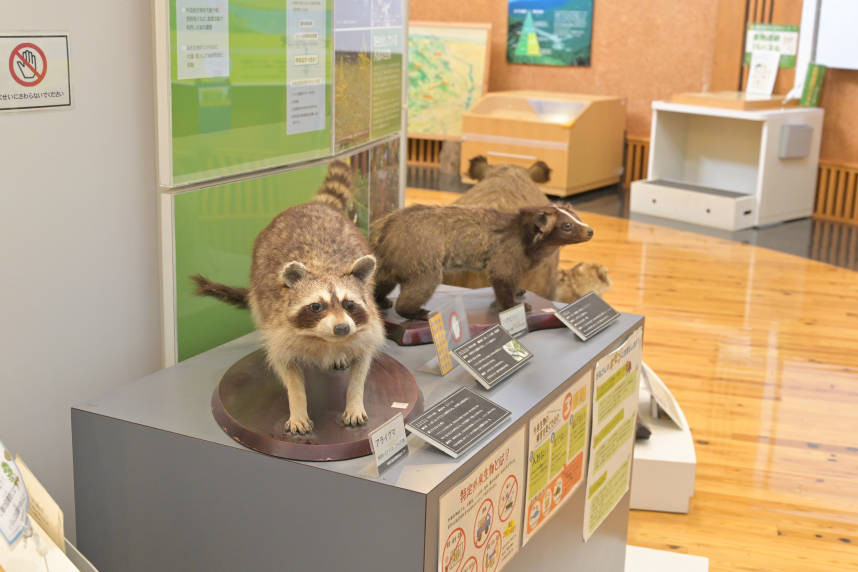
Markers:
211,230
550,32
369,39
245,85
242,85
448,73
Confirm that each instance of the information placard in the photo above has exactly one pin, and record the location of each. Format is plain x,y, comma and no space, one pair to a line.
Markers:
588,315
458,422
479,517
492,356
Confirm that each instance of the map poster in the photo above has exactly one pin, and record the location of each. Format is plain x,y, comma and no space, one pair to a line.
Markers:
550,32
479,517
448,67
615,408
557,445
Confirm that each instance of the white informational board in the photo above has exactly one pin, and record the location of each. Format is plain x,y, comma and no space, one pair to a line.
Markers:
836,39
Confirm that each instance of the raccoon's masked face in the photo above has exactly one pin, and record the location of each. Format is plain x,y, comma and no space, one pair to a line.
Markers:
330,308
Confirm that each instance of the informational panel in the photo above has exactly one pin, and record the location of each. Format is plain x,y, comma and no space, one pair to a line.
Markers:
369,44
250,85
480,516
615,408
210,231
556,451
836,39
550,32
448,73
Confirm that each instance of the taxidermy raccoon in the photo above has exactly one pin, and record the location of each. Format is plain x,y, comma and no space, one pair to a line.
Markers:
415,245
310,294
508,188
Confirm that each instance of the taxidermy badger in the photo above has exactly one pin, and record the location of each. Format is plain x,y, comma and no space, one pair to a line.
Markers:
311,296
415,245
508,188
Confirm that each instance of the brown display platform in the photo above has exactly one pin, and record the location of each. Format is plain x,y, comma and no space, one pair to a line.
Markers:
482,315
251,405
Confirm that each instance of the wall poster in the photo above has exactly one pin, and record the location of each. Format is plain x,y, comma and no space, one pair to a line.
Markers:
479,516
550,32
556,453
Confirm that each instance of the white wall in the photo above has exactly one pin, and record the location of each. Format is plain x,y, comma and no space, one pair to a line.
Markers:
79,286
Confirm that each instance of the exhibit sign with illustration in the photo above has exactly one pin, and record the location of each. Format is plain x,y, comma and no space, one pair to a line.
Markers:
772,38
615,409
550,32
557,446
481,515
448,67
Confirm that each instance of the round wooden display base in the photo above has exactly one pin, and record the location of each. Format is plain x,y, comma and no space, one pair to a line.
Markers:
251,405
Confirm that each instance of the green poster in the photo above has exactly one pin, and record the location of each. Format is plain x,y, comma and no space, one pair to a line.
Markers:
772,38
550,32
250,85
386,81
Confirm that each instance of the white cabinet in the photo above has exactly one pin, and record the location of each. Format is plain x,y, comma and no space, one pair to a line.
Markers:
724,169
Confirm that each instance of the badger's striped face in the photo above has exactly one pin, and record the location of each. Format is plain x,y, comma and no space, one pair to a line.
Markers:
333,311
569,228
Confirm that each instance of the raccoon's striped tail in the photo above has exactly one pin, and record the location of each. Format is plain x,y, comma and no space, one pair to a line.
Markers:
234,296
337,189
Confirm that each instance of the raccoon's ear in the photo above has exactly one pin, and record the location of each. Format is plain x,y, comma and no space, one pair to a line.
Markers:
293,272
478,168
539,172
363,267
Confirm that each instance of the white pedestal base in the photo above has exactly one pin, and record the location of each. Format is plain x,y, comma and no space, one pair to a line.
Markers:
664,465
649,560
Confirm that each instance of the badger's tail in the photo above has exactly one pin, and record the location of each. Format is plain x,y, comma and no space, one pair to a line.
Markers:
234,296
337,189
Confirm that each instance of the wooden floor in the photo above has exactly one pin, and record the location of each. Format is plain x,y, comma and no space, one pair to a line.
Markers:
761,350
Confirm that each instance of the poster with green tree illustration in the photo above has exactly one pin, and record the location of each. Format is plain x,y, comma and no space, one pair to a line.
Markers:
550,32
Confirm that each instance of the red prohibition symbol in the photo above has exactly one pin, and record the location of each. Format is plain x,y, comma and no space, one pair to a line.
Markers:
23,65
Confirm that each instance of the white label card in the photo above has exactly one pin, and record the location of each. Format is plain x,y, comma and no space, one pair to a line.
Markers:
389,443
202,38
514,320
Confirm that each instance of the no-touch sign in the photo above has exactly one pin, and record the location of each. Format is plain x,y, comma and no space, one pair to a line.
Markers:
28,64
38,75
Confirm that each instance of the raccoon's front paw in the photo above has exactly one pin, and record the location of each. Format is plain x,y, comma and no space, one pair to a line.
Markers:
520,293
527,307
354,417
299,424
384,303
340,363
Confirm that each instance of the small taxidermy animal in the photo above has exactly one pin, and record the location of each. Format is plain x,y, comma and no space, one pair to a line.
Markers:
415,245
580,280
311,287
508,188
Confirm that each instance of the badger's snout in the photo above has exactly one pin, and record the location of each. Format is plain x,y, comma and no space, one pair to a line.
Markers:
589,233
341,329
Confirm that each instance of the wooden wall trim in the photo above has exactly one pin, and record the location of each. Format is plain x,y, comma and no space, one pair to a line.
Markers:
729,44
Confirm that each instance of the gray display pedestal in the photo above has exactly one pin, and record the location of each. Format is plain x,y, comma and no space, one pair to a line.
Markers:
160,486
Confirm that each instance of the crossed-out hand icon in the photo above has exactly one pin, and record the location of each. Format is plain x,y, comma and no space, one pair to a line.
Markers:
26,71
